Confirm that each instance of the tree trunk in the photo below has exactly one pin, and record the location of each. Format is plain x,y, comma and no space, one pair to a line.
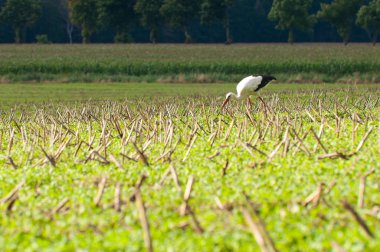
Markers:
369,34
344,33
85,35
228,36
227,28
291,36
69,30
188,38
153,35
345,41
18,35
346,38
374,38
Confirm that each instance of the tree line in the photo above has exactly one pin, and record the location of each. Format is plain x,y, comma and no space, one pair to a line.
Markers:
189,20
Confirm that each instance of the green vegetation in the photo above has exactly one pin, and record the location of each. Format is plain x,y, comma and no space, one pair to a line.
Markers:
41,93
179,14
150,16
119,15
369,18
204,21
84,13
194,63
292,15
80,174
342,15
20,14
216,10
32,93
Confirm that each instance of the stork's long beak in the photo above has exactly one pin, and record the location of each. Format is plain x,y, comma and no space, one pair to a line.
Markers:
225,102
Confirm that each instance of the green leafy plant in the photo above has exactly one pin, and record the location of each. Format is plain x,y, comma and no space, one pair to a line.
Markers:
42,39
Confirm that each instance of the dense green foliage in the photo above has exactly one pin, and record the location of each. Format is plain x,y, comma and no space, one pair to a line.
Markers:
369,18
20,14
193,63
70,172
216,10
342,15
292,15
179,14
242,20
85,14
150,16
118,14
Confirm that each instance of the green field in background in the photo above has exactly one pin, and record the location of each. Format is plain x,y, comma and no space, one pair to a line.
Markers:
189,63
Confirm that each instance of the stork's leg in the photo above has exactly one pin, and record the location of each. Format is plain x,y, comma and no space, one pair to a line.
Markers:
249,103
265,105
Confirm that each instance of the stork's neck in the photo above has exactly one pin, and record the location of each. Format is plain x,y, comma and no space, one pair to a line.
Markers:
234,95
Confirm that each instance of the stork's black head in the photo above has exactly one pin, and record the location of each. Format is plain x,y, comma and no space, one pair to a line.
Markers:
268,78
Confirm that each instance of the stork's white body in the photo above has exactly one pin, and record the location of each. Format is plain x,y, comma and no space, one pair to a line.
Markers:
248,86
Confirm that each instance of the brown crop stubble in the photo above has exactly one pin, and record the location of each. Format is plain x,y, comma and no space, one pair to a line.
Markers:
178,133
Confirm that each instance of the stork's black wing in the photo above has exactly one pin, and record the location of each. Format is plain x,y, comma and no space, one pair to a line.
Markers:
264,82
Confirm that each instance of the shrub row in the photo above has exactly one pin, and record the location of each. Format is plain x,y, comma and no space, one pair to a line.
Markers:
332,68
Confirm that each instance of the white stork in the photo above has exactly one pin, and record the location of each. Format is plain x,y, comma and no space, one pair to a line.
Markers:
248,86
